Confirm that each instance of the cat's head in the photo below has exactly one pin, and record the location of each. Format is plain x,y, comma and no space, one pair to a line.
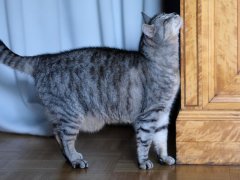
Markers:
162,28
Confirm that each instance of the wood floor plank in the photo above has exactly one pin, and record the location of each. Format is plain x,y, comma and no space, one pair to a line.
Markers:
111,154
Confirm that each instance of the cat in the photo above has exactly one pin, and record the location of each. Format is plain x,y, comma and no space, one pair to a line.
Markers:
84,89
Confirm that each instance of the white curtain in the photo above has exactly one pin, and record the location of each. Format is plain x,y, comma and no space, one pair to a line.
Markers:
31,27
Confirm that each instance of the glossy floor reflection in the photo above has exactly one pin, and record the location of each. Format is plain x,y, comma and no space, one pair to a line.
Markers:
111,155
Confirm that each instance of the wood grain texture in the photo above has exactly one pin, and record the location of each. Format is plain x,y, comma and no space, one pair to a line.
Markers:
207,115
209,153
111,154
207,135
218,41
212,125
188,172
209,131
210,56
225,44
238,36
190,53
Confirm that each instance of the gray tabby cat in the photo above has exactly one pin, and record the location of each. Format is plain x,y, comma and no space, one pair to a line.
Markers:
84,89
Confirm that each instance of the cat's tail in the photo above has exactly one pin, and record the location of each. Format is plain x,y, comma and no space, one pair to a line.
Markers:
22,63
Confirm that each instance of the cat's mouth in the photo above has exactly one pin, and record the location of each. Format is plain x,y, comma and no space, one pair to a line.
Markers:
180,21
177,21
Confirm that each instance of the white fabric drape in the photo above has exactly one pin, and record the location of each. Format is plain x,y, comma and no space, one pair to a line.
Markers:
31,27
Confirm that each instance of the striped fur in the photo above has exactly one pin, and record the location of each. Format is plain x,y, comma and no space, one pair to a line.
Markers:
84,89
24,64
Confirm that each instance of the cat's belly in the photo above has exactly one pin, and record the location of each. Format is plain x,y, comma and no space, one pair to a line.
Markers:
95,123
91,123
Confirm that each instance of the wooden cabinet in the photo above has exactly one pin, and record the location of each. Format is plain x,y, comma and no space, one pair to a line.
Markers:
208,125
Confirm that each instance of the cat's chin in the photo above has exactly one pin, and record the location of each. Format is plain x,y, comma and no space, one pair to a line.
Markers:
180,23
176,24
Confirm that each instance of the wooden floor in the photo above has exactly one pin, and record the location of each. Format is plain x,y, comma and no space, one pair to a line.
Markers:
110,153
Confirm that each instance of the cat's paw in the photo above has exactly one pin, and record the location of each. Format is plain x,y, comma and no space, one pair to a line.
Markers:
146,165
167,160
79,163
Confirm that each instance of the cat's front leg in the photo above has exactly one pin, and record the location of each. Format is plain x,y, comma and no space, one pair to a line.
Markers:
160,139
145,129
144,141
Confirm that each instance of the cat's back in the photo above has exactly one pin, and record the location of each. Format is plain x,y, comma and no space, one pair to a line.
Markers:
88,59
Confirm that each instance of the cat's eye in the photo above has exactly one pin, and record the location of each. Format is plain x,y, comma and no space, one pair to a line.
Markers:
165,20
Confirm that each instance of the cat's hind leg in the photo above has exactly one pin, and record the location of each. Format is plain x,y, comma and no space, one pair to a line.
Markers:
66,129
66,136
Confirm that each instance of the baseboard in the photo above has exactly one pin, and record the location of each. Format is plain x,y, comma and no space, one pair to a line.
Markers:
208,137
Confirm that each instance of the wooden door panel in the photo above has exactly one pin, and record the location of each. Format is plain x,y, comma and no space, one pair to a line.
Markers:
223,77
208,125
210,62
225,45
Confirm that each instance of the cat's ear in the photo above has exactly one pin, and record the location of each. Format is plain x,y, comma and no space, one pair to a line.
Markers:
146,18
149,30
